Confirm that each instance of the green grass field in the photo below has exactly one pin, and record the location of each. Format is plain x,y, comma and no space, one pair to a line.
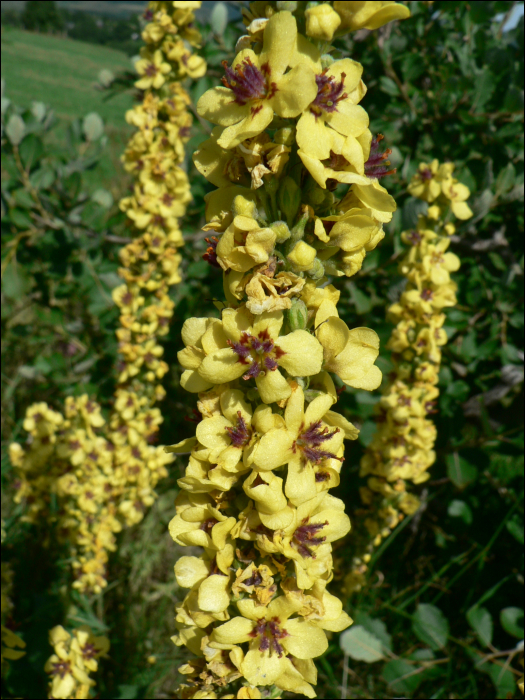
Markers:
61,73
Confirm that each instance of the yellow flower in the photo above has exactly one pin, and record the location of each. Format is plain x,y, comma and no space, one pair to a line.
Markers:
307,440
272,633
339,88
457,193
257,351
244,244
368,15
426,183
437,264
256,87
152,68
349,353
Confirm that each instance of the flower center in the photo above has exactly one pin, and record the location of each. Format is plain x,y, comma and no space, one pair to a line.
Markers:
437,259
329,93
306,536
62,668
415,237
426,174
259,352
309,442
270,632
427,294
241,434
211,251
247,82
377,164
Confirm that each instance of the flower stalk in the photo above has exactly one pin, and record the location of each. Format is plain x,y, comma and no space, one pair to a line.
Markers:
401,451
104,472
288,155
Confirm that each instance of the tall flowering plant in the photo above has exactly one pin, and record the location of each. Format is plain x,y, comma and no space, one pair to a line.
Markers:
401,451
298,202
104,472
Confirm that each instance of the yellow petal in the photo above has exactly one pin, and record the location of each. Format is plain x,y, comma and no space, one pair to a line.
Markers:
192,381
190,571
300,482
278,521
339,421
273,387
262,668
257,117
219,107
306,641
279,42
235,631
294,412
221,367
273,449
213,593
317,408
304,354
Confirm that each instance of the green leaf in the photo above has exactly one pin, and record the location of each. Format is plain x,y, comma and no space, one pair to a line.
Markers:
400,676
93,216
15,129
484,85
506,179
512,621
93,126
388,85
503,680
128,692
31,150
367,432
430,626
42,178
481,622
360,645
15,282
103,197
516,530
375,627
459,471
20,218
460,509
23,198
72,184
362,303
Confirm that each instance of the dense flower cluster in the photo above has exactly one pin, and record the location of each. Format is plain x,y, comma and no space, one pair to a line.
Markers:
105,471
401,451
290,137
75,656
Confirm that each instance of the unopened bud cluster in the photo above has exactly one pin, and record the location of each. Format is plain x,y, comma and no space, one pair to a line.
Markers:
401,451
297,201
104,472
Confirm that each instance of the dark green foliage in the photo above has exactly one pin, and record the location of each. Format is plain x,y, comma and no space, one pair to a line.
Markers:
42,16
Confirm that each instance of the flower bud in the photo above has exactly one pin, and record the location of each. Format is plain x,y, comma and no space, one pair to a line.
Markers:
297,316
282,232
450,229
434,212
327,60
302,256
321,22
289,199
317,271
243,207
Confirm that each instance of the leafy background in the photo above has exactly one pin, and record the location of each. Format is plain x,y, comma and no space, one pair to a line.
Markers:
442,614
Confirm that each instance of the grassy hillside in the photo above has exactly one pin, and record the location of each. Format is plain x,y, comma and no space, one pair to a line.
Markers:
61,73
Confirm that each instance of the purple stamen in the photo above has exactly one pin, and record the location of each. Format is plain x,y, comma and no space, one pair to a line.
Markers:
306,536
310,439
241,434
247,82
377,164
329,93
